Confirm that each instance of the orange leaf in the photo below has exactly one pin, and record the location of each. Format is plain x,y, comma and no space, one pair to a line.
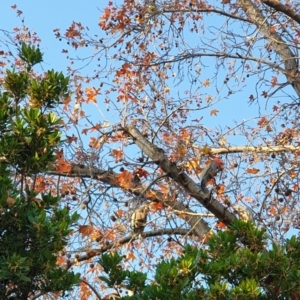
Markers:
262,122
208,236
252,171
60,260
91,231
164,189
221,225
86,230
151,195
156,206
272,210
214,112
95,142
206,82
63,166
125,179
248,199
130,256
59,153
167,137
141,172
273,29
221,188
181,150
111,235
120,212
40,184
273,81
184,134
91,94
117,154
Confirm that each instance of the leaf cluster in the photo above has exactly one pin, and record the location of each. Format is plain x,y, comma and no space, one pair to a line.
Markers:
33,226
226,269
29,133
31,235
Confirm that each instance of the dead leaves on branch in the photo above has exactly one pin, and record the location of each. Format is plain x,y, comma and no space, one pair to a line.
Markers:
252,171
100,235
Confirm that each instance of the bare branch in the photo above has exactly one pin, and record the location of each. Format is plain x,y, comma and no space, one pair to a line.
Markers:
283,50
258,149
114,245
284,9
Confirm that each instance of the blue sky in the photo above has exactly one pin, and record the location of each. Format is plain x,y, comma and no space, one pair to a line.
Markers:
44,16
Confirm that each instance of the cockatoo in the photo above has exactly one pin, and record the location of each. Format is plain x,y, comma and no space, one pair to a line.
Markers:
139,218
245,214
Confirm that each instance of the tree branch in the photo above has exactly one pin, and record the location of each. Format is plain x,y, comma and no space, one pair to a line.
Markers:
284,9
282,49
170,168
256,149
116,244
198,226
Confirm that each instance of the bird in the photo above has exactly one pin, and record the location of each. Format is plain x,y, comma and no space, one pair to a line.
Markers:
139,219
244,213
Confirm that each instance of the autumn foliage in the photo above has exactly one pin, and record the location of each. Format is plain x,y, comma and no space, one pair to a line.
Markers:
145,105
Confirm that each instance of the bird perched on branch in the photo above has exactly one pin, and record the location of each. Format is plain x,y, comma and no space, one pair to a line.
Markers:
139,218
209,172
244,213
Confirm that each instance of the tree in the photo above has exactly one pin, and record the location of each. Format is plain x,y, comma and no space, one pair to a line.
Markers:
34,228
225,270
169,77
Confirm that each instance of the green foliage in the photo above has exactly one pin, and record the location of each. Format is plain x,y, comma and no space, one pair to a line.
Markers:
30,55
16,84
29,140
33,226
134,281
48,91
235,265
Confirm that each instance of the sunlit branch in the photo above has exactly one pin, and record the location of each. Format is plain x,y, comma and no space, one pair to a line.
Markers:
187,56
116,244
258,149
